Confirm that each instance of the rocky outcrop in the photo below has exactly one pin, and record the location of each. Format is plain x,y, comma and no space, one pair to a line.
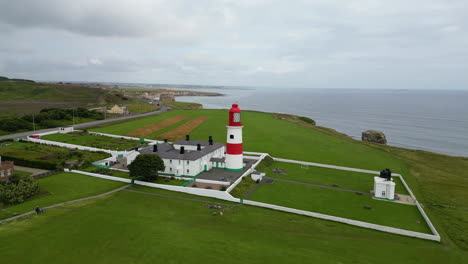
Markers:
374,136
167,97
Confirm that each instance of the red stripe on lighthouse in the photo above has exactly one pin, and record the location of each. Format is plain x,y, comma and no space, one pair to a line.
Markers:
234,149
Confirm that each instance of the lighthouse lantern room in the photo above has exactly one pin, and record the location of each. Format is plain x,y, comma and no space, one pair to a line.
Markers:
234,157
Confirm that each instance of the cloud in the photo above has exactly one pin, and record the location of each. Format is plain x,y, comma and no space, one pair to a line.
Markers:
320,43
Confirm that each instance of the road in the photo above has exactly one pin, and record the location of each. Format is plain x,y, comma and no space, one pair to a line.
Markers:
88,124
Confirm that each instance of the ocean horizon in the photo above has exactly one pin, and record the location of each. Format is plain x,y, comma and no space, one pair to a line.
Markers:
431,120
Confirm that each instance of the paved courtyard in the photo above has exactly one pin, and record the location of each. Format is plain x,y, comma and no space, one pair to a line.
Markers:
217,174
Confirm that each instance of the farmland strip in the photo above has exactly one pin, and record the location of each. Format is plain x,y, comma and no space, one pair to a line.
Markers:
184,129
150,129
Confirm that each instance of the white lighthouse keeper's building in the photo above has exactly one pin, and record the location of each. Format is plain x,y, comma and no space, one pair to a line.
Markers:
234,156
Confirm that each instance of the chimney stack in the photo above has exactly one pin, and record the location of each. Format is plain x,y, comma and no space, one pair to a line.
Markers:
155,148
210,140
198,147
182,150
187,137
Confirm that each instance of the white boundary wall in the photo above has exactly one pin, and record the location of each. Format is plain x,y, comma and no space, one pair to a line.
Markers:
435,234
346,221
247,172
195,191
72,146
124,137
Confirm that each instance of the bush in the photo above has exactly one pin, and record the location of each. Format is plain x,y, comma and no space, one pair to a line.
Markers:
18,189
223,188
307,120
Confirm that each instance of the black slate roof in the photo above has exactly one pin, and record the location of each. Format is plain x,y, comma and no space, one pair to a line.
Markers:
167,150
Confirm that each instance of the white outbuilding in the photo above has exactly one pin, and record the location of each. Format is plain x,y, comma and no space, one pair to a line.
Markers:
384,188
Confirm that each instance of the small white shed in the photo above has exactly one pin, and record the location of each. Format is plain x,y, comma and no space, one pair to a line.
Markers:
384,189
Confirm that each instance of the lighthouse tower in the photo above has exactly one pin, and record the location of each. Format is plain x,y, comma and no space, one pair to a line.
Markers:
234,157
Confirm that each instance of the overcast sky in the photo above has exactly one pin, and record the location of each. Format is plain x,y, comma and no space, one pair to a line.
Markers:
317,43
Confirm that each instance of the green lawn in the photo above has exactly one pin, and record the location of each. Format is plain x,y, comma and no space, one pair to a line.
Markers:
96,141
22,173
59,188
342,204
438,181
363,182
252,234
130,227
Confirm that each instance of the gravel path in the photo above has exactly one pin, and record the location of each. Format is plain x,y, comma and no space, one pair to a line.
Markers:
31,170
64,203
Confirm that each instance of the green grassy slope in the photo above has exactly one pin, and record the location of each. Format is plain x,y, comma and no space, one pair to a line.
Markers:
439,182
138,228
59,188
342,204
362,182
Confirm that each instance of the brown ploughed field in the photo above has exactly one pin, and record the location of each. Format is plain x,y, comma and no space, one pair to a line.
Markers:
150,129
184,129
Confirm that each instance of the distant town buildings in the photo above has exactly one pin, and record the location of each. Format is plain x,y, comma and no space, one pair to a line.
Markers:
118,109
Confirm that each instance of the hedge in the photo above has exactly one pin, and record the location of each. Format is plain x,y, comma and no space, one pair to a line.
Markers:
38,164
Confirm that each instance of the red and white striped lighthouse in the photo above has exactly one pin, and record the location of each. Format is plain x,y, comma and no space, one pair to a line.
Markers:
234,157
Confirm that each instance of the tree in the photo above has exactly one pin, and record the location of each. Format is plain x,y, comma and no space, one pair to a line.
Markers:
147,166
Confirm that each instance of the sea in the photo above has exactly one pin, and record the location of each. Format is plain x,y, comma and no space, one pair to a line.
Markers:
432,120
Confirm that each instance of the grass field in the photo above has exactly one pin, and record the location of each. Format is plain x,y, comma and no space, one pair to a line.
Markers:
344,179
342,204
96,141
438,181
47,154
59,188
139,228
27,97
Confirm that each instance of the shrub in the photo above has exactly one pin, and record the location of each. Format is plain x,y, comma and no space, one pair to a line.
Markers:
307,120
223,188
18,189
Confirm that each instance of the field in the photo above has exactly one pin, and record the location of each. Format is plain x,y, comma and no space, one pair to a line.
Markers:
27,97
438,181
152,128
342,204
128,227
184,129
31,154
59,188
96,141
362,182
135,227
